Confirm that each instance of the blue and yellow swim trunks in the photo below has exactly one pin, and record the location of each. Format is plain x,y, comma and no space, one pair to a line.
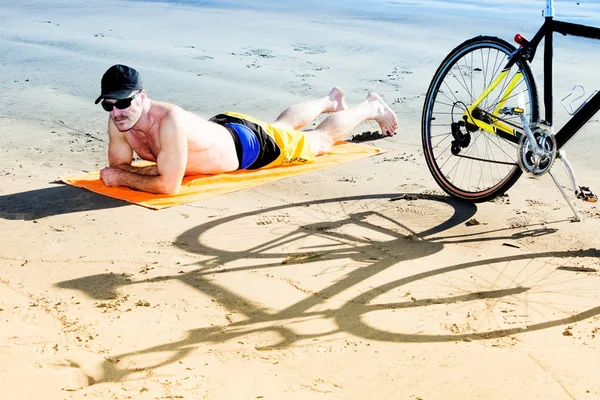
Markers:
261,145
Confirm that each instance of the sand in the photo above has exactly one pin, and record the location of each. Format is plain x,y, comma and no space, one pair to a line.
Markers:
354,282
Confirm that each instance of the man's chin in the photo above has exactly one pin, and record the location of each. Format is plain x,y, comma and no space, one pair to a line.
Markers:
123,126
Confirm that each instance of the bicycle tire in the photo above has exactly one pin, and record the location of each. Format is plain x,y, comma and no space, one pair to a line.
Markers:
450,92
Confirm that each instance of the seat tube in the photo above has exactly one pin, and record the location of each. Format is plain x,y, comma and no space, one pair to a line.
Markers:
548,70
549,11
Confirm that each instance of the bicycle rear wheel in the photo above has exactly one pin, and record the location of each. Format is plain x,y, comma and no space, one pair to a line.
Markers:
485,166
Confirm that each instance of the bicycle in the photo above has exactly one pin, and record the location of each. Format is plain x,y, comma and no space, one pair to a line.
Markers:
481,126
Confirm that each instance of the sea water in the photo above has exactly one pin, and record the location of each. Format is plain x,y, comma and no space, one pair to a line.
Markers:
423,11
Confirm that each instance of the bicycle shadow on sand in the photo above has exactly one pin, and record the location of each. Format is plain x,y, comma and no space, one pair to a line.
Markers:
349,241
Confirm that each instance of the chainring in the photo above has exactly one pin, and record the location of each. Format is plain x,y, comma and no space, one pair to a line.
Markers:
528,161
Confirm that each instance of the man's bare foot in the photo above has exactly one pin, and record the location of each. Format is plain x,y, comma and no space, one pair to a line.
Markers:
388,122
336,96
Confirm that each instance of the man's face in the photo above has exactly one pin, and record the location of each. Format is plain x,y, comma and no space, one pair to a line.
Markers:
125,113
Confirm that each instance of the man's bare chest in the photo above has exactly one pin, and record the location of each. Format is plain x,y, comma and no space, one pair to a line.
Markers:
147,147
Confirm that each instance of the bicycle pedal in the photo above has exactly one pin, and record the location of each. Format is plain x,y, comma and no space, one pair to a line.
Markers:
586,194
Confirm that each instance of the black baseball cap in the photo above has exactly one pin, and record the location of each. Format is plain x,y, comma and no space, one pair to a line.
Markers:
119,82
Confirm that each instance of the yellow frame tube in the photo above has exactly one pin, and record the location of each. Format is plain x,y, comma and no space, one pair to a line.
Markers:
496,124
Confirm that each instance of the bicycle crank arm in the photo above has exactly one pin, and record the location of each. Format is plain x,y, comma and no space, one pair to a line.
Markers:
535,147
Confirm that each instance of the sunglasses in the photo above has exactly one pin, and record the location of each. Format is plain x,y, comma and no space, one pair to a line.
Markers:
119,104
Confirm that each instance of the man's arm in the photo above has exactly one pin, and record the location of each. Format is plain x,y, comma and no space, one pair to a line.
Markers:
147,170
119,151
170,165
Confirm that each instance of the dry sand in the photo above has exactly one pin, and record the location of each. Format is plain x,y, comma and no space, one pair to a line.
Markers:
355,282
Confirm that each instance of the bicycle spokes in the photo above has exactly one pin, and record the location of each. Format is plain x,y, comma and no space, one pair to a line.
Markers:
470,145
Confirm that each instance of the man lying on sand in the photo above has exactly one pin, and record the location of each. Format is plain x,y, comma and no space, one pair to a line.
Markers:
182,143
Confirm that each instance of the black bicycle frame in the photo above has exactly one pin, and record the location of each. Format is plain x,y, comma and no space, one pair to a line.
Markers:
546,32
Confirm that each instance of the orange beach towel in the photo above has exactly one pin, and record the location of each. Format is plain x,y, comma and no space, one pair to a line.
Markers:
203,186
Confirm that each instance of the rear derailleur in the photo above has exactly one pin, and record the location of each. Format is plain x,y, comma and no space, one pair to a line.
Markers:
461,136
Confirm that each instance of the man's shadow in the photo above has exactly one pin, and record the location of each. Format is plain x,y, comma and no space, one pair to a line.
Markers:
56,200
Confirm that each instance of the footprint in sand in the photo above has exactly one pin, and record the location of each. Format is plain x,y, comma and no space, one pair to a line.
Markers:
304,76
46,22
65,371
313,67
309,49
398,74
511,318
518,222
201,57
423,209
256,52
406,99
404,157
273,219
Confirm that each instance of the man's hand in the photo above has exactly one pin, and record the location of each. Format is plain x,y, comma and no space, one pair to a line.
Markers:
110,176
